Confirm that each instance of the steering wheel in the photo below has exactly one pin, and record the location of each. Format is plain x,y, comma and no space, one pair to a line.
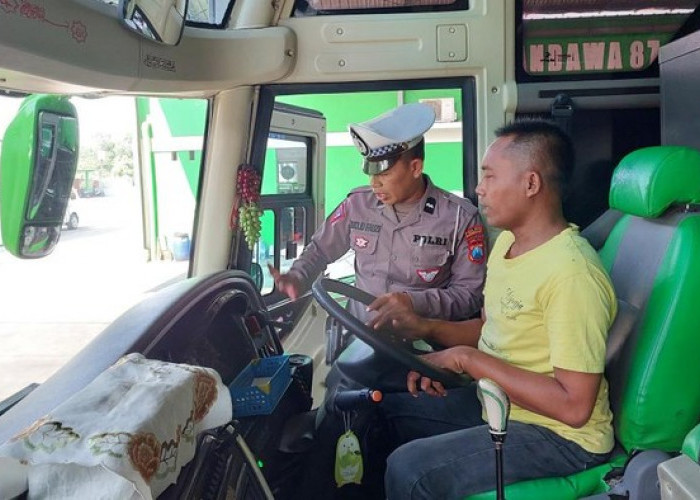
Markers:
383,341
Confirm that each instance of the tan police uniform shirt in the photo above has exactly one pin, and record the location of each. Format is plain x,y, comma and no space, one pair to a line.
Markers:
436,253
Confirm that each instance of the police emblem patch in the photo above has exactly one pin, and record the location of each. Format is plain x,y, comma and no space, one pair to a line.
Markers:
361,144
338,215
476,251
428,275
361,242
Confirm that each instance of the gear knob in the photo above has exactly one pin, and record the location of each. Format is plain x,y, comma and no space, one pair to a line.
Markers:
497,405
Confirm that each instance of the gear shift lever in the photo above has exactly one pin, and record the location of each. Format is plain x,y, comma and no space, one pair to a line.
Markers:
497,405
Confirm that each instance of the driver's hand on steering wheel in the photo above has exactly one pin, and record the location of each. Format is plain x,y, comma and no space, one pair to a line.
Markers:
286,283
394,310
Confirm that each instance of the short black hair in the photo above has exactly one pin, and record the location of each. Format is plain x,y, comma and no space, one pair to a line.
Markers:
547,145
417,151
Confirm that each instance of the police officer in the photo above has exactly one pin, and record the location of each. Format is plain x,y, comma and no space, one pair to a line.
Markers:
416,245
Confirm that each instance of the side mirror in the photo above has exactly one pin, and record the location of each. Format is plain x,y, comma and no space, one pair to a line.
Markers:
157,20
37,167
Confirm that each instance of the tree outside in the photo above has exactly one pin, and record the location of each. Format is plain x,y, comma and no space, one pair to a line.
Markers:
106,157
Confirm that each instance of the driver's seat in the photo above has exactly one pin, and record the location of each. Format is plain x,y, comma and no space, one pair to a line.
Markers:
653,257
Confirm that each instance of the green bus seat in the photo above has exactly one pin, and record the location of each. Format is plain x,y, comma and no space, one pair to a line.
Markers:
653,257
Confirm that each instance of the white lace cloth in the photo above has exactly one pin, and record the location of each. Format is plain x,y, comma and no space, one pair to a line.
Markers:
124,436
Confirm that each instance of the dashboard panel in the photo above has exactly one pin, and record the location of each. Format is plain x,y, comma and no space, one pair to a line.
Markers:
218,321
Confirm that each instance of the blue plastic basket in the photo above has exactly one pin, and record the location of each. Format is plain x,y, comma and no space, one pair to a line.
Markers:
259,387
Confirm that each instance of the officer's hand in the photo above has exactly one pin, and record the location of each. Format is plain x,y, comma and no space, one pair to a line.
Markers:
286,283
411,326
388,307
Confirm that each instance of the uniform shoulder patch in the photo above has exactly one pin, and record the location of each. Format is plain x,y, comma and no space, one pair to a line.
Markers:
476,248
339,213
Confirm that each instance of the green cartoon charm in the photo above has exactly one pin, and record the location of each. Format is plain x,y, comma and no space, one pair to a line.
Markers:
348,460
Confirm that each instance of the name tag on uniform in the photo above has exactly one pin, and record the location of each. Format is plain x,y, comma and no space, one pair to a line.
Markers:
423,239
365,226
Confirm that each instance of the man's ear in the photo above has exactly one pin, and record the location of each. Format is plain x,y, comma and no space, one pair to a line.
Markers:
533,183
416,167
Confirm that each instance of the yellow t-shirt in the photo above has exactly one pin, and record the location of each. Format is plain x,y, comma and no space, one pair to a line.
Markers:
552,306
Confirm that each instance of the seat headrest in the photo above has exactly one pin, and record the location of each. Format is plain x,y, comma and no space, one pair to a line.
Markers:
650,180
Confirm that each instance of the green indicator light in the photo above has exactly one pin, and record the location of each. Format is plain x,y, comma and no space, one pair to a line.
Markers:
260,464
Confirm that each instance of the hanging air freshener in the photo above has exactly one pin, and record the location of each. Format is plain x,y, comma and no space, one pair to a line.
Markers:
348,460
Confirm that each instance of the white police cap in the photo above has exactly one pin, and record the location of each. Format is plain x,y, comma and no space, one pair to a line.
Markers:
382,139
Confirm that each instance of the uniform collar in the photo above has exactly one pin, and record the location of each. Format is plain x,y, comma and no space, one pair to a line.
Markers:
427,206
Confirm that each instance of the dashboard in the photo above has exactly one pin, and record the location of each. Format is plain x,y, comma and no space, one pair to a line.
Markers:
218,321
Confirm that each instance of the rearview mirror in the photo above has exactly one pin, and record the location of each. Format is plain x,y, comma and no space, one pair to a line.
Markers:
37,167
157,20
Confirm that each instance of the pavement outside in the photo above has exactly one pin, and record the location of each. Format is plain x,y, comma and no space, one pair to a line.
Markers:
51,308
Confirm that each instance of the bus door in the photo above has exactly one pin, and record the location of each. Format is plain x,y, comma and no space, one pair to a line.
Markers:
292,200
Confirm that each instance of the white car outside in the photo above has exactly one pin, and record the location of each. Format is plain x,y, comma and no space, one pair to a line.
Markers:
71,219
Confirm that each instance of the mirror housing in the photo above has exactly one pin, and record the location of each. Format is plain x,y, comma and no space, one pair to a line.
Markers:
160,21
37,168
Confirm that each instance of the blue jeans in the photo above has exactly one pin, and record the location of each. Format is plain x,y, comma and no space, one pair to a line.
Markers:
448,452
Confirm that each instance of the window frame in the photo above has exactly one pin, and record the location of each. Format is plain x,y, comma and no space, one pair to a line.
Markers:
301,8
217,26
241,257
467,85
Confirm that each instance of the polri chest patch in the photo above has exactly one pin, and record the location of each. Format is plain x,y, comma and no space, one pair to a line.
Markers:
426,239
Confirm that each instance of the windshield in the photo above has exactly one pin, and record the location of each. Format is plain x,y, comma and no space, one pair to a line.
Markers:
126,233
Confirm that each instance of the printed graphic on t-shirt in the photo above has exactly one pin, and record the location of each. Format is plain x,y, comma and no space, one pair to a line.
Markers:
510,304
495,350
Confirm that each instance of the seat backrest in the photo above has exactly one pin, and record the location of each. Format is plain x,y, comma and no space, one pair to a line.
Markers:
653,258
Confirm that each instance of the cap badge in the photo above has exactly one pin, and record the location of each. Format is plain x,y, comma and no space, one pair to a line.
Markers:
359,143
